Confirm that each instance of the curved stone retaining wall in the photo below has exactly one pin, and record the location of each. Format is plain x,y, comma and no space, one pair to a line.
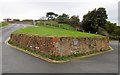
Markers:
60,45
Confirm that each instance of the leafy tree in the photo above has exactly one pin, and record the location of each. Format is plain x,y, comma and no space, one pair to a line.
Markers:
51,15
63,18
75,22
94,19
101,17
117,31
16,20
7,19
110,27
89,22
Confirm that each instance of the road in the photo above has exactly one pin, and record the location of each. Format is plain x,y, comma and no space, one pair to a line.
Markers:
14,61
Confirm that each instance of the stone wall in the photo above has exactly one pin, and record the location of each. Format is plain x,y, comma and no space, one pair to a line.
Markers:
60,45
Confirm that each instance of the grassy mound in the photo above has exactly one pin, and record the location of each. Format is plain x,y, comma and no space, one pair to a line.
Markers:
3,24
62,26
57,32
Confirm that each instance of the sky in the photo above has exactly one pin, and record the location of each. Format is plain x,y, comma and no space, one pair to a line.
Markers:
34,9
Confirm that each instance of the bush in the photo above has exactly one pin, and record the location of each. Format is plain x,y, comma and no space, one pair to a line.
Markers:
102,31
3,23
114,37
117,31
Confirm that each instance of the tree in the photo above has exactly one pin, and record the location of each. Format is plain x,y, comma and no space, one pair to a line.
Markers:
63,18
89,22
110,27
117,31
16,20
51,15
7,19
94,19
74,21
101,17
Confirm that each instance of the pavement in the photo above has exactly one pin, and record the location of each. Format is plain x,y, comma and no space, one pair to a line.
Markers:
14,61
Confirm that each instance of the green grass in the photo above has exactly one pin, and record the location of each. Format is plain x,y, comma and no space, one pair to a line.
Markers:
57,32
62,26
3,24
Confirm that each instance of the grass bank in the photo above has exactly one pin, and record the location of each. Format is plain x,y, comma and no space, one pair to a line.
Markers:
3,24
62,26
56,32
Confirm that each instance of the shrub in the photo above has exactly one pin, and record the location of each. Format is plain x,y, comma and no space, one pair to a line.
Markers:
114,37
3,23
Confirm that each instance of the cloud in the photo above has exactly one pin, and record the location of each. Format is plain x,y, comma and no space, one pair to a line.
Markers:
34,9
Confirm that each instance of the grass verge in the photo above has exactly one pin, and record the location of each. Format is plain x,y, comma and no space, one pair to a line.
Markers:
3,24
56,32
62,26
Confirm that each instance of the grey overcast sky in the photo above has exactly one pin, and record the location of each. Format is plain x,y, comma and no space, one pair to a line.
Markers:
34,9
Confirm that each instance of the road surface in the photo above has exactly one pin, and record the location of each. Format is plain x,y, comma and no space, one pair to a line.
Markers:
14,61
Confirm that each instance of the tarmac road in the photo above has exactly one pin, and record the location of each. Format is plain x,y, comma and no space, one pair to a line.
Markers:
14,61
